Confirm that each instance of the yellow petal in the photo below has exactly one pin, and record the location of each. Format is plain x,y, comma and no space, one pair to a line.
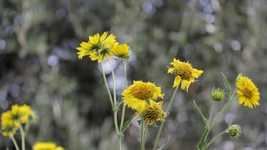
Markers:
177,81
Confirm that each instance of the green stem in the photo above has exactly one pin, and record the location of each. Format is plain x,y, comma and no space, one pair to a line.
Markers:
124,106
22,133
225,108
118,131
122,116
214,138
14,142
156,142
115,104
125,71
107,88
143,136
202,144
200,112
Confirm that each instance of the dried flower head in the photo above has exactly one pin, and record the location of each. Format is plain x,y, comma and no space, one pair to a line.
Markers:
153,113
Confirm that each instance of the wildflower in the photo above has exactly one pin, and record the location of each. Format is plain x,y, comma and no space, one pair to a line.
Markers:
8,126
234,131
153,113
21,115
247,92
139,93
46,146
121,51
217,94
98,47
184,72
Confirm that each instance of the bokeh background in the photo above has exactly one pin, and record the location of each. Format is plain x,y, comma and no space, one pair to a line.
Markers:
39,66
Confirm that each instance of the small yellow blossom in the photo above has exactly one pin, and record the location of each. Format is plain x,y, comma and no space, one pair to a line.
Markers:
46,146
121,51
8,126
21,114
184,72
247,92
98,47
153,113
139,93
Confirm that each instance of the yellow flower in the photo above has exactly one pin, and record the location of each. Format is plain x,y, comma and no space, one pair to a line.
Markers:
46,146
139,93
153,113
247,92
8,126
184,72
121,51
21,114
98,47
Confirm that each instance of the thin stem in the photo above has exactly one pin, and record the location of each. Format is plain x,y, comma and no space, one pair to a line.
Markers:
22,133
143,136
122,116
125,71
118,131
115,103
124,106
171,100
156,142
222,110
200,112
107,88
214,138
14,142
203,139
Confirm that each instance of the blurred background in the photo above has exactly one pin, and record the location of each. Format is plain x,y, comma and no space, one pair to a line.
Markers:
39,66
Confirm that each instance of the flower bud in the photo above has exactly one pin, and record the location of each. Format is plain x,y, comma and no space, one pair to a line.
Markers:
234,131
217,94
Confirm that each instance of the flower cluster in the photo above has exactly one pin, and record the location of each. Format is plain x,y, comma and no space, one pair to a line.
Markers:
46,146
146,99
13,119
101,46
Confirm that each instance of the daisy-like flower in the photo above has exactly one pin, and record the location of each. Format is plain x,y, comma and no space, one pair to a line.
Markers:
46,146
137,95
21,115
184,72
153,113
247,92
8,126
121,51
98,47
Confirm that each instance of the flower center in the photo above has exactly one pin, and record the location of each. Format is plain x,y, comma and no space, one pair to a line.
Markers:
143,93
100,49
151,116
247,93
185,73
